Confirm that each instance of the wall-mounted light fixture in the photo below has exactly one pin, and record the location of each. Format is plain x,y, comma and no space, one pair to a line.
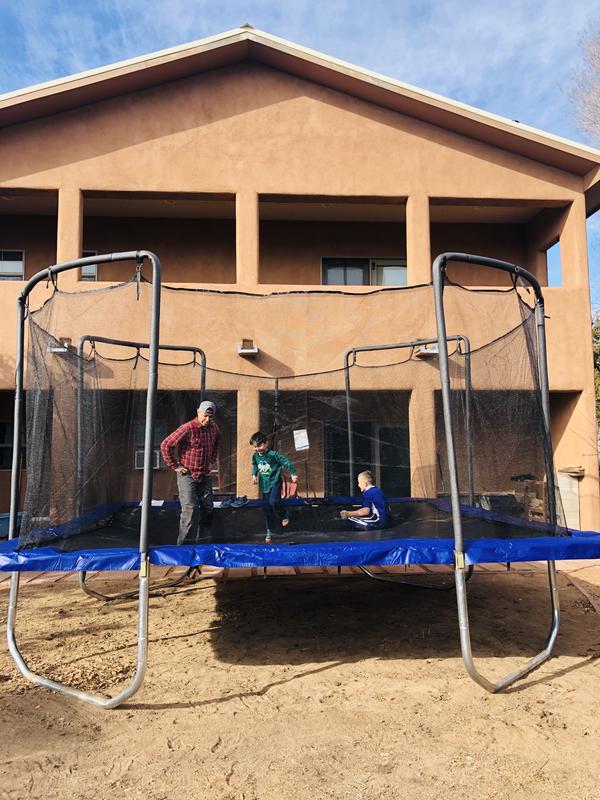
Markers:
427,351
247,348
63,345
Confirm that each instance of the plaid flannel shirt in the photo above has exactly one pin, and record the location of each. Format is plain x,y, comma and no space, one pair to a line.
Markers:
192,446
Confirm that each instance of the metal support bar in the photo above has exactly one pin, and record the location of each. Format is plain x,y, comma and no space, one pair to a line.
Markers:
144,570
439,269
133,593
414,584
80,459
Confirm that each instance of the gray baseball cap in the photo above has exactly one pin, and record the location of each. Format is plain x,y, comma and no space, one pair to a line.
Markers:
208,407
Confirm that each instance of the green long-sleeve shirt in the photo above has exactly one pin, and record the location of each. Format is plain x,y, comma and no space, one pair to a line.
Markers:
268,468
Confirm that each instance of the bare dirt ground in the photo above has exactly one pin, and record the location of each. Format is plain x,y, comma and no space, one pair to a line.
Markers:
301,688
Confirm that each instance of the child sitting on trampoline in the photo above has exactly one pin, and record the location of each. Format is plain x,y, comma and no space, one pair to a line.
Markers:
375,511
267,466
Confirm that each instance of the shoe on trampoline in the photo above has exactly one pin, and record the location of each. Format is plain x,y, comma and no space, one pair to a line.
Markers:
238,502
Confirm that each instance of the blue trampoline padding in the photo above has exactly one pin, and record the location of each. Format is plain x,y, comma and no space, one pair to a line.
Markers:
388,552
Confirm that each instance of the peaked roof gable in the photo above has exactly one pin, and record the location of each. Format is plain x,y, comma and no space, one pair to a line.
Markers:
248,43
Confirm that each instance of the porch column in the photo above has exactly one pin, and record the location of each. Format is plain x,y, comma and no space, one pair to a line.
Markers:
582,426
573,247
248,422
69,233
247,238
423,450
418,240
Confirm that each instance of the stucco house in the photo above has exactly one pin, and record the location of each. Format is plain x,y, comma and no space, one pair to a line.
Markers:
251,163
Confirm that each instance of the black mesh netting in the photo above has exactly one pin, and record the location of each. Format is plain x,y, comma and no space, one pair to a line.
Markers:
85,413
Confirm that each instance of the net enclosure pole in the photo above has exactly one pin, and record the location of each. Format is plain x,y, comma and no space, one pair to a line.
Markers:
468,418
142,641
349,420
439,271
90,338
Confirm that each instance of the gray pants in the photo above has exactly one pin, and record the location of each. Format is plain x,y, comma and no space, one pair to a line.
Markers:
189,489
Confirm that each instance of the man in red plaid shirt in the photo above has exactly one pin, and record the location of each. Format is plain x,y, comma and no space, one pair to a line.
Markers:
190,451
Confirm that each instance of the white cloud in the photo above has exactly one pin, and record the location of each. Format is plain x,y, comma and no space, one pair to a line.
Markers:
514,58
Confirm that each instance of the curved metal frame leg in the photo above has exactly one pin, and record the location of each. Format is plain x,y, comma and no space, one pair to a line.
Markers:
97,700
465,634
414,584
142,648
438,270
134,592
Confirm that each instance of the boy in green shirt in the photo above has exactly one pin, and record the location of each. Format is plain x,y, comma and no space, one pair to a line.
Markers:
267,466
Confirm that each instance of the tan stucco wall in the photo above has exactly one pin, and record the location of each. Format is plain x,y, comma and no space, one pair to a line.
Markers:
251,126
250,130
192,250
35,235
291,252
506,242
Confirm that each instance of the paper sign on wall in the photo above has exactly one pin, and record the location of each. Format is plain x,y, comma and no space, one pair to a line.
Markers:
301,439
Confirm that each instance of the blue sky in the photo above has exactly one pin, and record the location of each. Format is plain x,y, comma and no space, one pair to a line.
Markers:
515,58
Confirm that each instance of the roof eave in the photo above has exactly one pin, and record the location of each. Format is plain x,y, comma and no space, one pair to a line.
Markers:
122,78
241,43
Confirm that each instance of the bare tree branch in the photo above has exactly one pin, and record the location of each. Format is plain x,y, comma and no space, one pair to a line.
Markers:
585,93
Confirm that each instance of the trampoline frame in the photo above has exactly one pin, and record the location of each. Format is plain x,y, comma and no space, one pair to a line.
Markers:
439,270
90,338
460,568
49,274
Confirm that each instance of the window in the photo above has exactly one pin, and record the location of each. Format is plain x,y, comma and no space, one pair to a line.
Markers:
389,271
346,271
90,271
364,271
139,433
6,445
12,265
384,449
138,460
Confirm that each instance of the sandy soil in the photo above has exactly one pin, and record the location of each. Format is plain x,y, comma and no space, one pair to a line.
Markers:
306,688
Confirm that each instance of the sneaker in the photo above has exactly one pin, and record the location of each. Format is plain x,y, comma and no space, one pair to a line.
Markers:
268,537
238,502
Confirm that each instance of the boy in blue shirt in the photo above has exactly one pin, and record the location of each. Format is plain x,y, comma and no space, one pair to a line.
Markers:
267,466
375,512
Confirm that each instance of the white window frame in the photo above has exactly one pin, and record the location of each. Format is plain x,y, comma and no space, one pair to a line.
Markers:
373,265
160,432
138,459
377,263
339,258
14,277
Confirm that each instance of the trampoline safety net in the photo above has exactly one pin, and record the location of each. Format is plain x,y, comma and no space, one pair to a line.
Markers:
334,410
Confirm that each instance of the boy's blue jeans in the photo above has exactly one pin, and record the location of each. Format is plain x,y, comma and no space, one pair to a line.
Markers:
273,507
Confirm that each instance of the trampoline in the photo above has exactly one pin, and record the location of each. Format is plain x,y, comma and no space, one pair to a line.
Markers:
467,466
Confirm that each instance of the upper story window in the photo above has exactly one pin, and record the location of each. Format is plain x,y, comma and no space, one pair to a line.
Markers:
12,264
90,271
364,271
346,271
